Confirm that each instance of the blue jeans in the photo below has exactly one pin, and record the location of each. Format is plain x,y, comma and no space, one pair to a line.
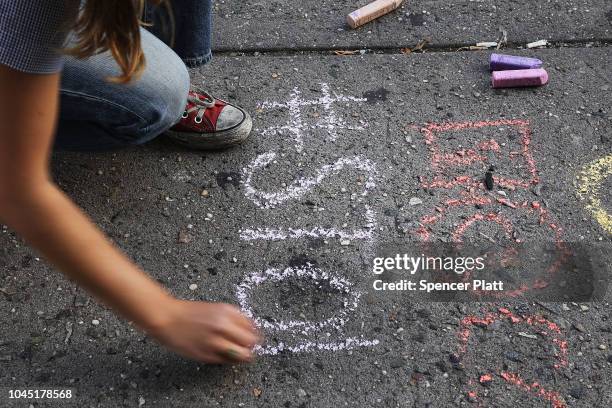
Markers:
97,115
192,28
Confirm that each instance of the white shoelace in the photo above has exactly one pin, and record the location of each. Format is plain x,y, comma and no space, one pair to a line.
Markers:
199,106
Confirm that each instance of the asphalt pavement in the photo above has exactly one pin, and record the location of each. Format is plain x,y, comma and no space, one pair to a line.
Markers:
241,25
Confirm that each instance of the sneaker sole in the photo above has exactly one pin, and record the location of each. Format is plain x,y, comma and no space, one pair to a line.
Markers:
217,141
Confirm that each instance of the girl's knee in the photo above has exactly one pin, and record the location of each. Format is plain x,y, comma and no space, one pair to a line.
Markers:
133,113
167,86
166,80
177,96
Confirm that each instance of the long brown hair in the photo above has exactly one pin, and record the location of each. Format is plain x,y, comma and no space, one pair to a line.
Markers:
112,25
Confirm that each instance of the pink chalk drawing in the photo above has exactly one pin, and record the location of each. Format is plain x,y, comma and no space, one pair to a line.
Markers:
540,326
468,193
441,160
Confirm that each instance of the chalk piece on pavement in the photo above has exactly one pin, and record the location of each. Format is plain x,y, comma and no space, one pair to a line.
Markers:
537,44
519,78
499,62
487,44
371,12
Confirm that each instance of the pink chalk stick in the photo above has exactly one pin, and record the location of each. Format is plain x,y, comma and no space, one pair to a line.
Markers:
519,78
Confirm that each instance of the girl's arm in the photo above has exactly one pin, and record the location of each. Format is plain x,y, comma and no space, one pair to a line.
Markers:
33,206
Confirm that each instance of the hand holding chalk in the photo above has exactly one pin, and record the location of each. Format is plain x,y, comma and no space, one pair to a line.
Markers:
209,332
372,11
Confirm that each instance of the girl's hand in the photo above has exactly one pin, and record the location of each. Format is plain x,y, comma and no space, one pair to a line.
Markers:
215,333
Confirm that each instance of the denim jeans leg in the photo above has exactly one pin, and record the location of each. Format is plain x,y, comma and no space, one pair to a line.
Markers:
96,114
192,35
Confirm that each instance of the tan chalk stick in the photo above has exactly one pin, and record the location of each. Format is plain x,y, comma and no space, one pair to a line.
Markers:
372,11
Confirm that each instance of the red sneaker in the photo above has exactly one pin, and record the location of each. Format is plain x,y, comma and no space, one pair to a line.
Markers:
209,123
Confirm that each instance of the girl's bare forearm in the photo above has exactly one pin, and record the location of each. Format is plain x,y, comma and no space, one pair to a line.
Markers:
38,211
57,228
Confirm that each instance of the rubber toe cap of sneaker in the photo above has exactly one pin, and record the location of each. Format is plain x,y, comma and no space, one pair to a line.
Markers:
230,117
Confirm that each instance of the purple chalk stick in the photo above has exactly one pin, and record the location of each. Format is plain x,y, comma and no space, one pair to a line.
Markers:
499,62
519,78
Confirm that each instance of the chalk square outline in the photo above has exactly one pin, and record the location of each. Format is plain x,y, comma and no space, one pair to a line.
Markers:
550,331
431,130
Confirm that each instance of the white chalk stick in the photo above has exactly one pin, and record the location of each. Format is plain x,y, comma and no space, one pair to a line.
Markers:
537,44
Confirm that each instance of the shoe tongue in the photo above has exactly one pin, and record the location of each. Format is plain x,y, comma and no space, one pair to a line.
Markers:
213,114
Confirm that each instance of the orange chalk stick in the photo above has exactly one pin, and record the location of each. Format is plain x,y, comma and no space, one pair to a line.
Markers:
372,11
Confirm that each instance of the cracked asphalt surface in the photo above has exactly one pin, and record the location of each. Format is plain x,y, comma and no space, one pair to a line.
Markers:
200,218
